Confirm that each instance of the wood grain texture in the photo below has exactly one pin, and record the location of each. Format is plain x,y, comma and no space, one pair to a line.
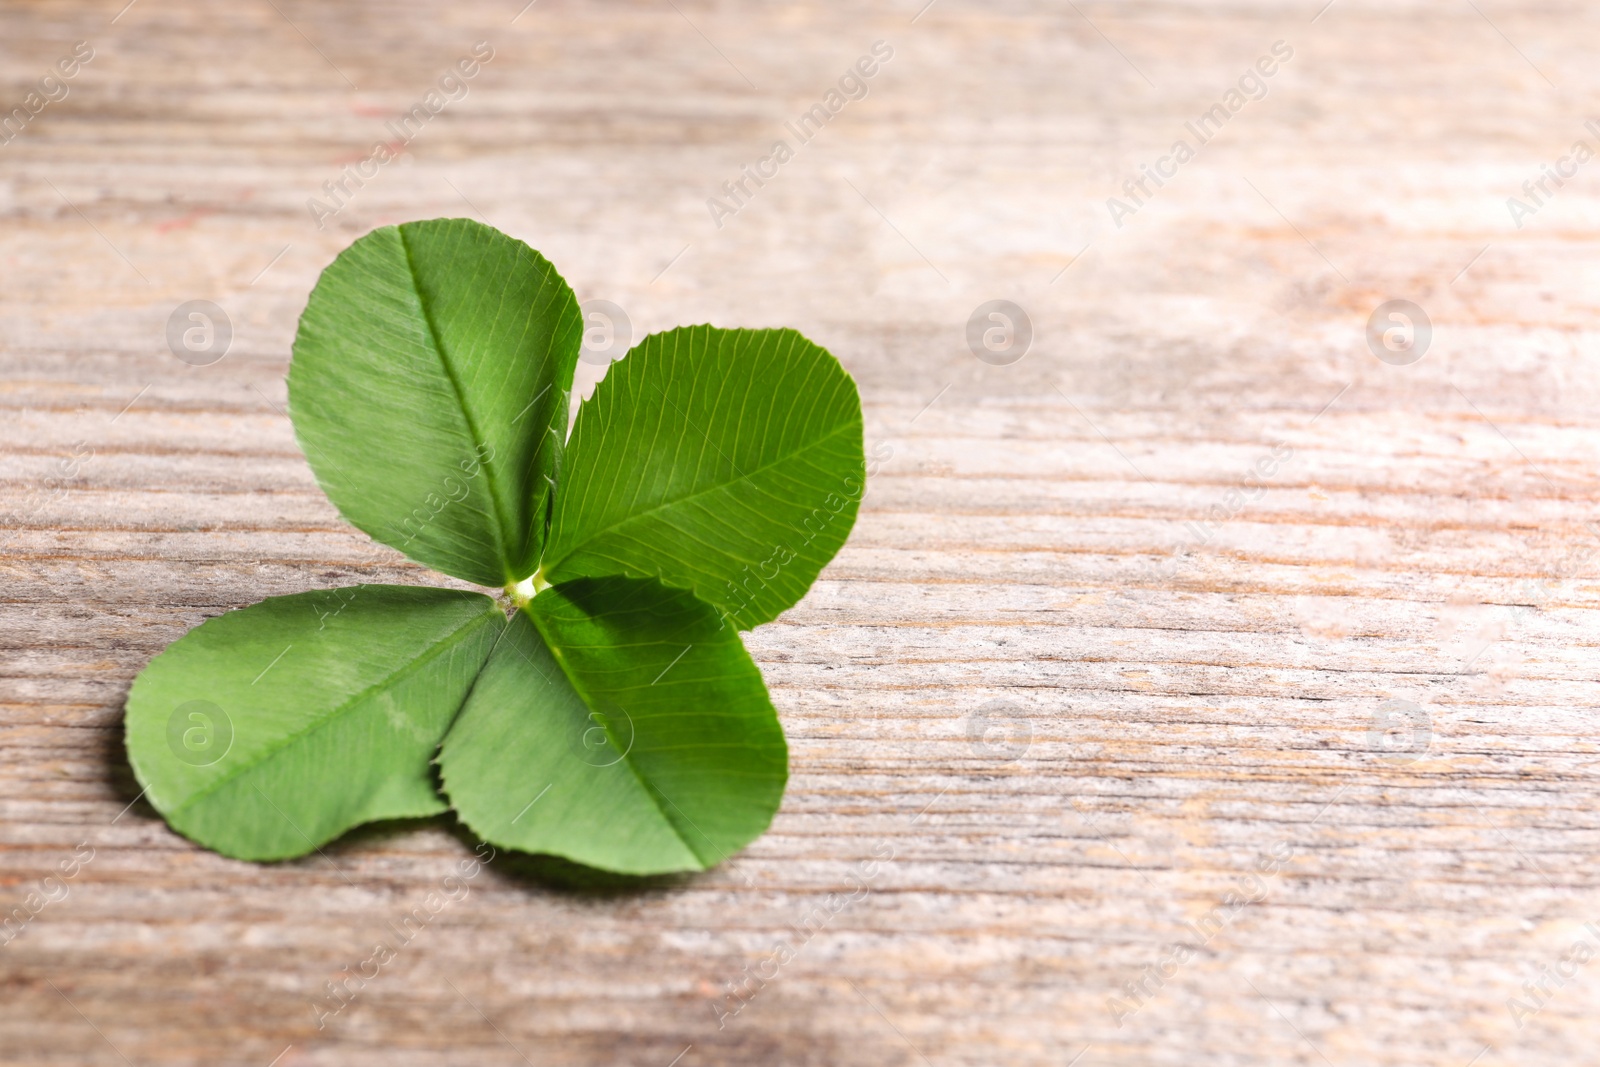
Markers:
1187,709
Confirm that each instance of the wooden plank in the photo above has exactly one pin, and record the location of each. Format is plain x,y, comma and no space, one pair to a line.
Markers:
1192,664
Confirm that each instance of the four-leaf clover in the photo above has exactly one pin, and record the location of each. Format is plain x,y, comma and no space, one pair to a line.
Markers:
603,708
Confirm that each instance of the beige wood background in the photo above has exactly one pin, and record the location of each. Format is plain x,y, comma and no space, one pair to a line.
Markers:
1175,720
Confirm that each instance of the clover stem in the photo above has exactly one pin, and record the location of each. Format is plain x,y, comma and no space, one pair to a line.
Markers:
521,593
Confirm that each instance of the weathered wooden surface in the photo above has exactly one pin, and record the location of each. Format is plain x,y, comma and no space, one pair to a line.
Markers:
1422,535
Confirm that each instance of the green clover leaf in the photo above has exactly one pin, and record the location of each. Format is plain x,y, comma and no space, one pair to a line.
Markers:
627,726
269,731
604,708
726,462
429,390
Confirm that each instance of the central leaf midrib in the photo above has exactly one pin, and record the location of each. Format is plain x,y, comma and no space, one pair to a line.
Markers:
446,643
688,497
502,527
649,790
